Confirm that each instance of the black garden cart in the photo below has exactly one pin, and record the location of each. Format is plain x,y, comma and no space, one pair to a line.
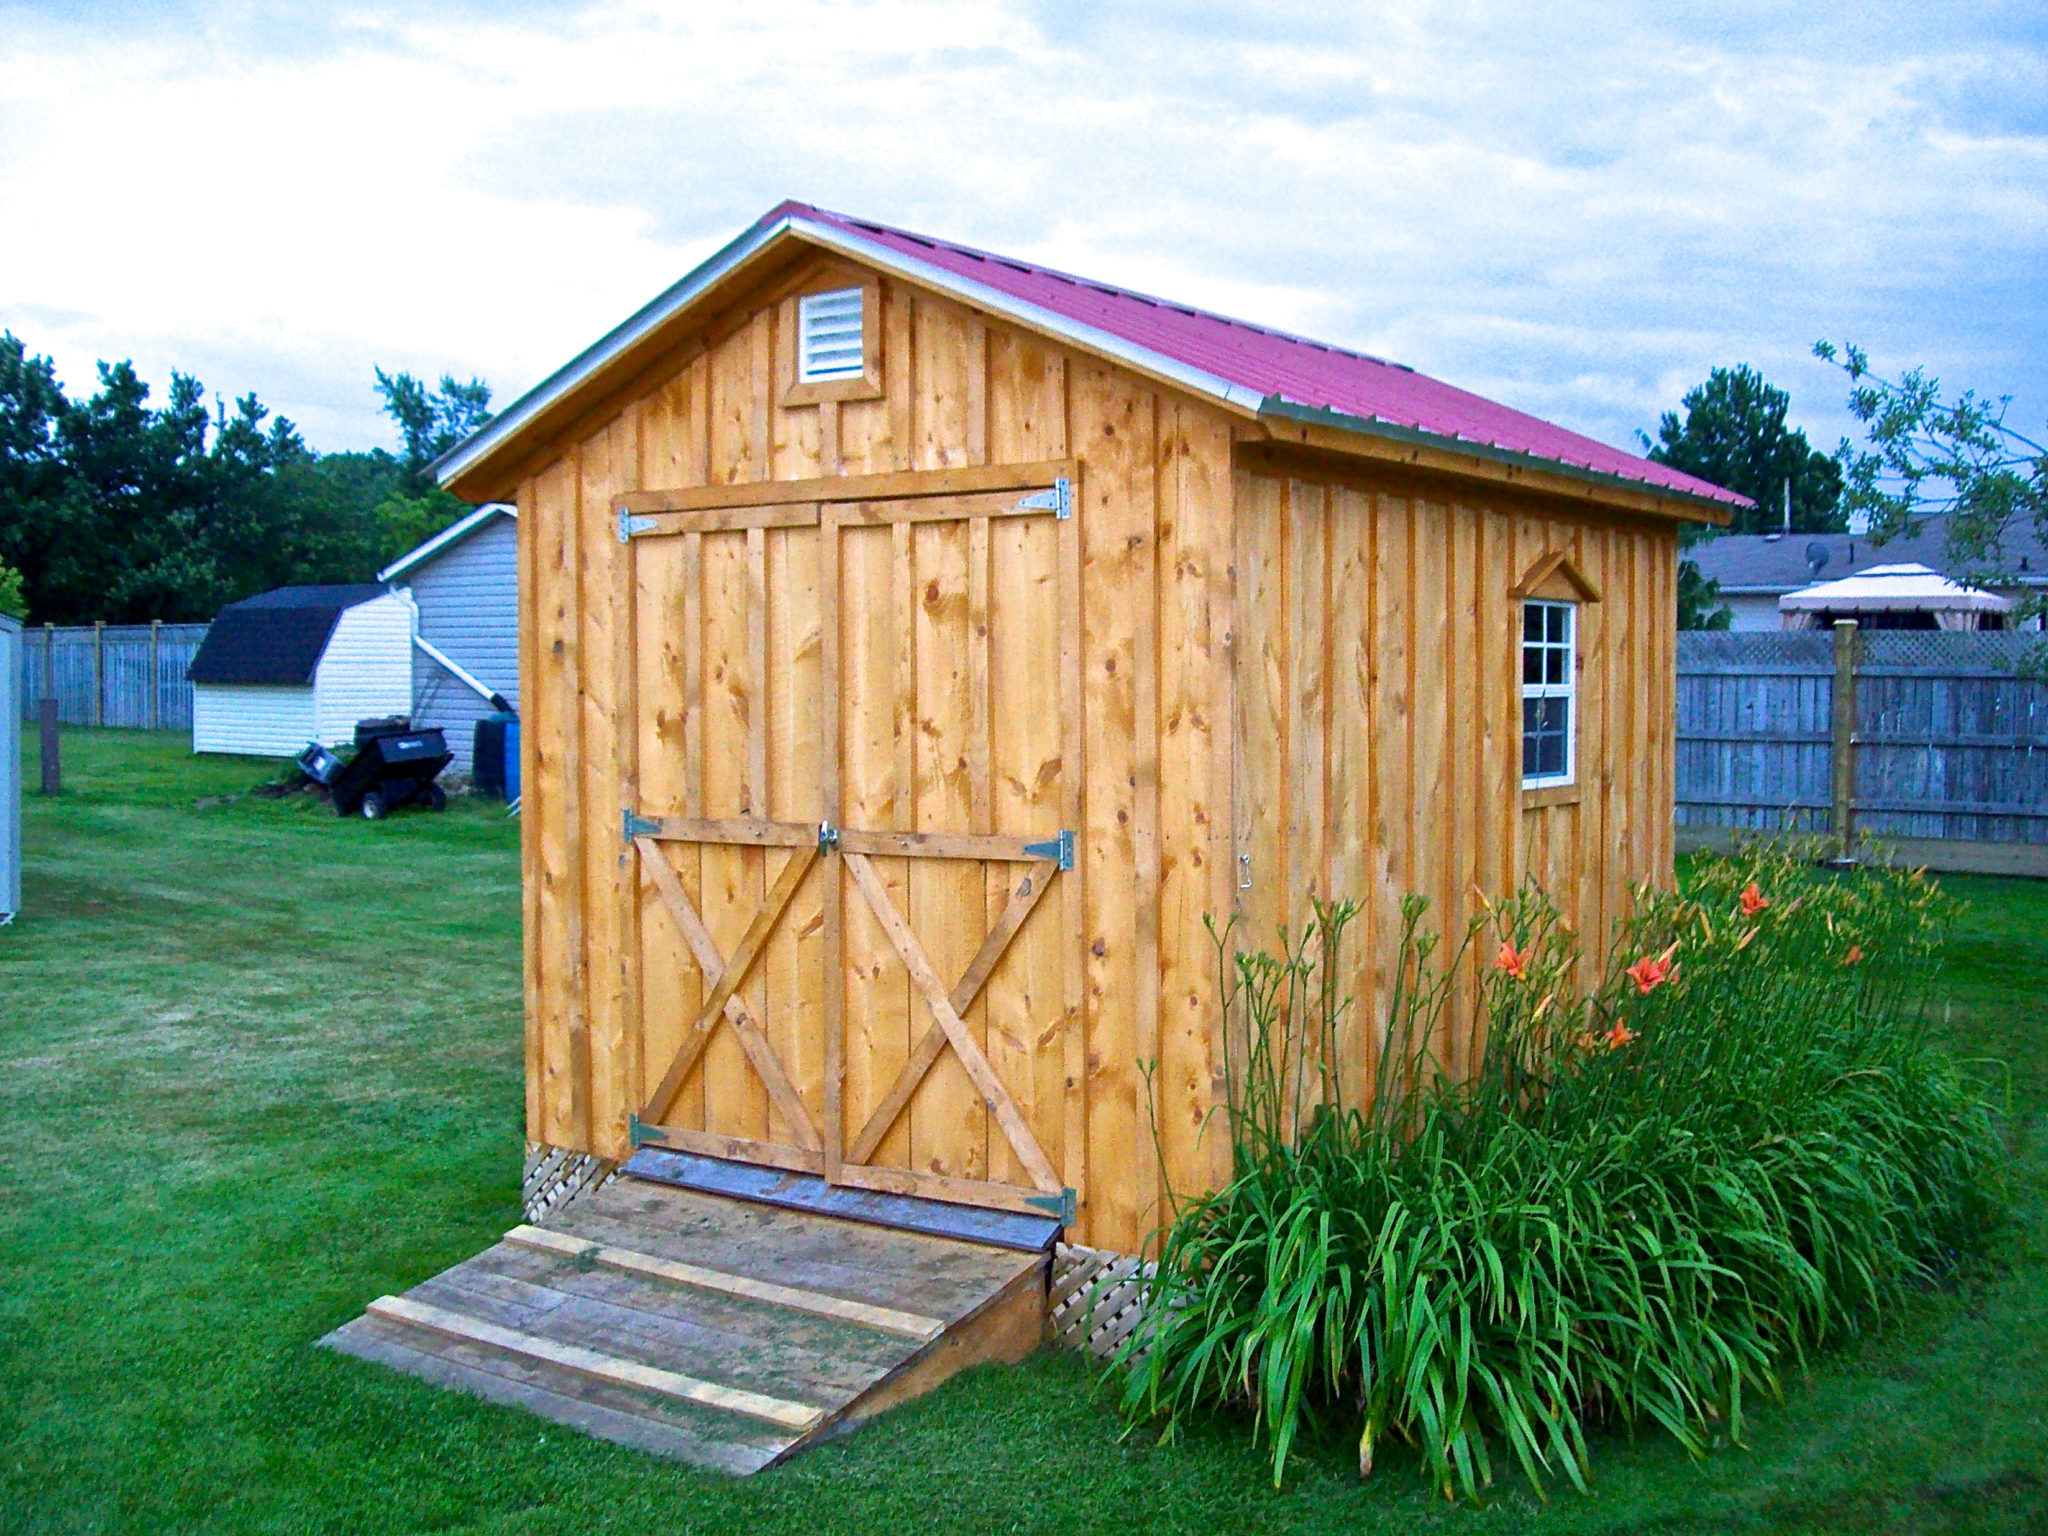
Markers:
394,766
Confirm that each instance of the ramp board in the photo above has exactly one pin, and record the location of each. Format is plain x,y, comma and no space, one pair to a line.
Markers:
719,1331
807,1192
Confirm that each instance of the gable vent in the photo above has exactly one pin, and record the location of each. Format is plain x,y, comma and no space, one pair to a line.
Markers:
828,336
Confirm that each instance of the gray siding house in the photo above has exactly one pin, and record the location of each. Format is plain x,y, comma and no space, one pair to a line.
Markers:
464,586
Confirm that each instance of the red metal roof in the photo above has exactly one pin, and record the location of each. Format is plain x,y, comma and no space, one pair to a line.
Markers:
1283,369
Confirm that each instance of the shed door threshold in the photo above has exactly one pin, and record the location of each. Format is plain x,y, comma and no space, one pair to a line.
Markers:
1022,1231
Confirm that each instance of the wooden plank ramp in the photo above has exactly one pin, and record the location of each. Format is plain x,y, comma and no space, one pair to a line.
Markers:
718,1329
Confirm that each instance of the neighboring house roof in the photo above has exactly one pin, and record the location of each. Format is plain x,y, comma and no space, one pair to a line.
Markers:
1771,564
1905,588
447,539
275,637
1251,369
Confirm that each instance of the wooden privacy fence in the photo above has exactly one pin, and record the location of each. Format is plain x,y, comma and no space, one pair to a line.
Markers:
112,674
1930,741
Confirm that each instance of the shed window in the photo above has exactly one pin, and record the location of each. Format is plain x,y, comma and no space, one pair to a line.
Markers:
828,336
1549,692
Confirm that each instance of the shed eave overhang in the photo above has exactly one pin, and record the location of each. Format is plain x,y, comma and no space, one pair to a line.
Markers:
1689,504
472,452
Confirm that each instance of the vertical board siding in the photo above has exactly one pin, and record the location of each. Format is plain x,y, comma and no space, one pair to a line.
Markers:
1378,727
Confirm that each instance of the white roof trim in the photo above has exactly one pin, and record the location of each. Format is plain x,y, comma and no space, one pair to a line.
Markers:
678,298
455,533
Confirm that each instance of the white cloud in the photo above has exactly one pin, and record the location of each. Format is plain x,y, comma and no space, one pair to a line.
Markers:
1576,213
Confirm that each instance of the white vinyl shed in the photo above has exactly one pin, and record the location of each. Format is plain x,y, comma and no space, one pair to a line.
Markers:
298,665
464,588
10,767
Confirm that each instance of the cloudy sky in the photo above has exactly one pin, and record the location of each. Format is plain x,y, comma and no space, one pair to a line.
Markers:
1578,211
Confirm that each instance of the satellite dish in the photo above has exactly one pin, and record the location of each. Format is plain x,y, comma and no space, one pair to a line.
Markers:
1816,556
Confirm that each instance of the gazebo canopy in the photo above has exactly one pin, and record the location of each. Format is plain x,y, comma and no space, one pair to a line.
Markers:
1894,589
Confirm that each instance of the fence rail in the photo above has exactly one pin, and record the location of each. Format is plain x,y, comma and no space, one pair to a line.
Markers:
1913,737
113,674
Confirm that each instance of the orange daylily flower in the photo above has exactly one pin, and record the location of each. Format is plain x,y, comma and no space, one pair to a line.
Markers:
1649,974
1619,1036
1515,963
1753,900
1855,954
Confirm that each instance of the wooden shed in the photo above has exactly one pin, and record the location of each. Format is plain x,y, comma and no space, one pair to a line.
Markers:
919,644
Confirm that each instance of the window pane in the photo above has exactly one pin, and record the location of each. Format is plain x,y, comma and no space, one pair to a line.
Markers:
1532,621
1532,664
1556,616
1555,665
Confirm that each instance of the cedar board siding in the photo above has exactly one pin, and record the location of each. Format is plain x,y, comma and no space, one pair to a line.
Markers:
468,600
1156,830
1378,693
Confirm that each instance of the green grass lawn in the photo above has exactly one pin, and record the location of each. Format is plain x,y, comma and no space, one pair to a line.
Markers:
262,1065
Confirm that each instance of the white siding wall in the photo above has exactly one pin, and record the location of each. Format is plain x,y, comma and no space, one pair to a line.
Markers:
468,598
251,720
366,669
1751,610
10,765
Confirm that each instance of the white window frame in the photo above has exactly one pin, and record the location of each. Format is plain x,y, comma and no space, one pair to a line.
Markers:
839,300
1568,690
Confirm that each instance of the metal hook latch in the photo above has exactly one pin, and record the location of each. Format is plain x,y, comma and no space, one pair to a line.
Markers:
1244,871
828,837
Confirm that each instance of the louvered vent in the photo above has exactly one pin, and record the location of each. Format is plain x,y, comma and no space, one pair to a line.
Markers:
828,336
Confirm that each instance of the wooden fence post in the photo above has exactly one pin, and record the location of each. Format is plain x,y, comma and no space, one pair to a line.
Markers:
156,628
99,672
1842,815
53,767
49,660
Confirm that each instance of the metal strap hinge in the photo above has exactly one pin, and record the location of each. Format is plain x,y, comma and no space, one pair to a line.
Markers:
1059,849
640,1133
1058,500
1063,1205
638,826
630,525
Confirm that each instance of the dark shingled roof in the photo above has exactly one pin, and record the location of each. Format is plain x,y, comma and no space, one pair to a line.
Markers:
1759,562
275,637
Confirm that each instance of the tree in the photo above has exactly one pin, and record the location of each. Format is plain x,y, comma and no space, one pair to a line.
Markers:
1699,600
12,602
1734,435
1927,456
430,422
38,492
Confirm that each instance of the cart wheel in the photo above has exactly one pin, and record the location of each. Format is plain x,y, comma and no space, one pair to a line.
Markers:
373,806
437,798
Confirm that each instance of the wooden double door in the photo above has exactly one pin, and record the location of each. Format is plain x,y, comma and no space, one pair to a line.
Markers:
852,800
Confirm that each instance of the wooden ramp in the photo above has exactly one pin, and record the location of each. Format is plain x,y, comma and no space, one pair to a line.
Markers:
716,1329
